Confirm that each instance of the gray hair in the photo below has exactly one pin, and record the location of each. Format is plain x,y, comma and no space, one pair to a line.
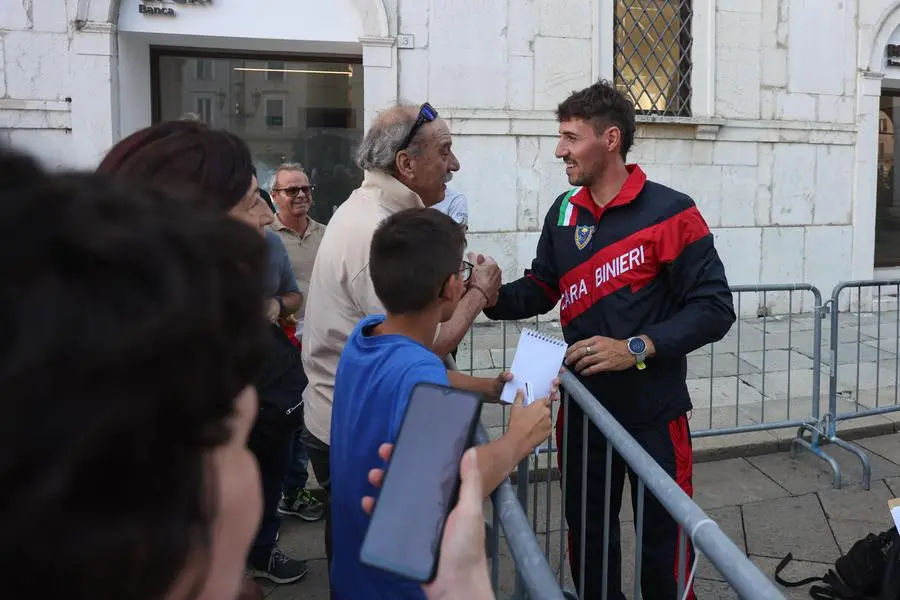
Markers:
289,166
378,149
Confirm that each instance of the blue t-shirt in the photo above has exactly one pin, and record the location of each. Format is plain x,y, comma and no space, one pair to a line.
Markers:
280,276
374,379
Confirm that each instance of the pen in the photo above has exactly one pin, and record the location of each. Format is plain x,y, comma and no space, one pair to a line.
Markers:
529,393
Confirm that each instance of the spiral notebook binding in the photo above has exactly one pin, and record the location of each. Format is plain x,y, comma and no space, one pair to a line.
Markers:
543,337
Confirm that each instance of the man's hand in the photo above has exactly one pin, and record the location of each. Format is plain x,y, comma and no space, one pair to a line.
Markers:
486,277
529,426
462,570
599,355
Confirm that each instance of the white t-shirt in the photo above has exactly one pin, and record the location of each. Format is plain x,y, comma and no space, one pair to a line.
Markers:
454,205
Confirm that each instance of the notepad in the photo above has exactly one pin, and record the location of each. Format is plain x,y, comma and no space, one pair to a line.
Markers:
537,361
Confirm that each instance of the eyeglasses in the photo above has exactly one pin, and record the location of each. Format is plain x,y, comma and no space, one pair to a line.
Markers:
427,114
294,191
465,270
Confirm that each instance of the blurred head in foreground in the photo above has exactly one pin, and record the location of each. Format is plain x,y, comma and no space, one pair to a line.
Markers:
188,156
125,409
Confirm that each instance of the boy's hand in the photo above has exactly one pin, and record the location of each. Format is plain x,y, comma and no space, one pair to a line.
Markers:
529,425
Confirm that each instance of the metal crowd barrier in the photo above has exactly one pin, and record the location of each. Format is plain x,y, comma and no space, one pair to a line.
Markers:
869,400
748,381
534,577
694,524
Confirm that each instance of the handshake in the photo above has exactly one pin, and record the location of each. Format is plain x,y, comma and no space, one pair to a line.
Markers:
486,277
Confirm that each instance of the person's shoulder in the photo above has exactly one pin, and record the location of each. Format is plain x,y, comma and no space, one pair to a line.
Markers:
668,201
273,239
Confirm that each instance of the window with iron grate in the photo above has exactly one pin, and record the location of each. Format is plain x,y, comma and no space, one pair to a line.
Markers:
653,64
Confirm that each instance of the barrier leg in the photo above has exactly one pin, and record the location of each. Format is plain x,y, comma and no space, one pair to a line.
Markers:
861,455
814,447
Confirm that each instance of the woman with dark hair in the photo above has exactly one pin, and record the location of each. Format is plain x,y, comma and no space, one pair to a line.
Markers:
217,165
126,410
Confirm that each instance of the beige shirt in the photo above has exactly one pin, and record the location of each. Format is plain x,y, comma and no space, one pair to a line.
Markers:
341,291
302,250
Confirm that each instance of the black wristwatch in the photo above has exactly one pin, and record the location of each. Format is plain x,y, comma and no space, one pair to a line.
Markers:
280,304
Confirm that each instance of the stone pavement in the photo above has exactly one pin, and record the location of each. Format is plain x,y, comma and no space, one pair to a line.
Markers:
768,504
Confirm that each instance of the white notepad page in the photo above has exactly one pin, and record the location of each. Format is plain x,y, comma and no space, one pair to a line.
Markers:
537,360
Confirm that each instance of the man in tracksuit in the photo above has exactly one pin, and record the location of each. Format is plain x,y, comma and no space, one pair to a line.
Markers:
641,285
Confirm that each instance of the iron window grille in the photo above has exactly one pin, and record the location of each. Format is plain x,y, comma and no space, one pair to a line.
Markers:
653,64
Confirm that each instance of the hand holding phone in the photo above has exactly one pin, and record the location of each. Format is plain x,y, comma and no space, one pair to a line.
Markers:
421,482
462,571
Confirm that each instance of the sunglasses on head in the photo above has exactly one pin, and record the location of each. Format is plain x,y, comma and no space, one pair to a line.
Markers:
427,114
294,191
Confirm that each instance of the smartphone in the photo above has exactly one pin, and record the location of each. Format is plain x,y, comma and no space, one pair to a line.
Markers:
421,482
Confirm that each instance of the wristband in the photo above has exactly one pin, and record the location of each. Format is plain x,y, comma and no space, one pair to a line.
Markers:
280,304
483,293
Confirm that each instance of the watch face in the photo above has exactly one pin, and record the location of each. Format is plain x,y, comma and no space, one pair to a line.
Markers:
636,346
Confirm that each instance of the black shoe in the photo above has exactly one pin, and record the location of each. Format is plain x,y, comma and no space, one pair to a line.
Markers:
302,505
280,569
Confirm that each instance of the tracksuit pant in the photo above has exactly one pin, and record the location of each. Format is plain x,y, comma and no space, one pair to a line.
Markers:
670,445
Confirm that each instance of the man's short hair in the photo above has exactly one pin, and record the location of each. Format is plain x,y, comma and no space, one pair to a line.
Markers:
603,106
289,166
131,321
413,253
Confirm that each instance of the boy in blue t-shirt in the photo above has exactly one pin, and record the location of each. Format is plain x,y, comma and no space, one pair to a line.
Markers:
418,274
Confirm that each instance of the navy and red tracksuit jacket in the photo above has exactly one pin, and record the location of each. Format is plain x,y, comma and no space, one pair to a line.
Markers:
644,264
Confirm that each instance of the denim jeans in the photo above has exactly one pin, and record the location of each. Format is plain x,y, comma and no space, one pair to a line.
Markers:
298,464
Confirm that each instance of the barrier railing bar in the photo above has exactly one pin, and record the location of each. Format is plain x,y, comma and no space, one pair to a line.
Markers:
736,568
531,566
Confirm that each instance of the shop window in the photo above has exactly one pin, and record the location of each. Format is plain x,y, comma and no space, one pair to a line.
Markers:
274,113
275,70
653,65
313,115
887,208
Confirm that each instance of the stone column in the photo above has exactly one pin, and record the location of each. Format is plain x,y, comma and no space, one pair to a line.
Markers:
866,175
380,74
95,92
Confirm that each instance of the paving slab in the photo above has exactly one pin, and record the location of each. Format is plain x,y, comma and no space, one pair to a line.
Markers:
887,447
731,521
794,524
745,484
807,473
857,505
794,571
714,590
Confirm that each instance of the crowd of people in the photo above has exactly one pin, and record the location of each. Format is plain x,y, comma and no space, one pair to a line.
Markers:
182,346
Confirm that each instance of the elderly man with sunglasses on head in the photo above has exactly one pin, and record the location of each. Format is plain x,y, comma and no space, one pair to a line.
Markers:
408,160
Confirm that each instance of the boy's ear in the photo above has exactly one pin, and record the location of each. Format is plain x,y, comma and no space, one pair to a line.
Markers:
449,289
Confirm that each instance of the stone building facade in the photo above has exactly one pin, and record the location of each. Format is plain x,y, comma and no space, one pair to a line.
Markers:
775,115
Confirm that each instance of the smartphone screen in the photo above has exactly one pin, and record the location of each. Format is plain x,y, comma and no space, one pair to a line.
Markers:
421,482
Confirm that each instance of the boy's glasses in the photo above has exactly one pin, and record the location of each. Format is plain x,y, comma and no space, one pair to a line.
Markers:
465,271
427,114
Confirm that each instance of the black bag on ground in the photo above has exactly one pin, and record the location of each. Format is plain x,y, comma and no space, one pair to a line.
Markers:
869,570
280,386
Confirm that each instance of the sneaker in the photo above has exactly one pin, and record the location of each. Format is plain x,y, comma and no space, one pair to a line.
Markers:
281,568
304,505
